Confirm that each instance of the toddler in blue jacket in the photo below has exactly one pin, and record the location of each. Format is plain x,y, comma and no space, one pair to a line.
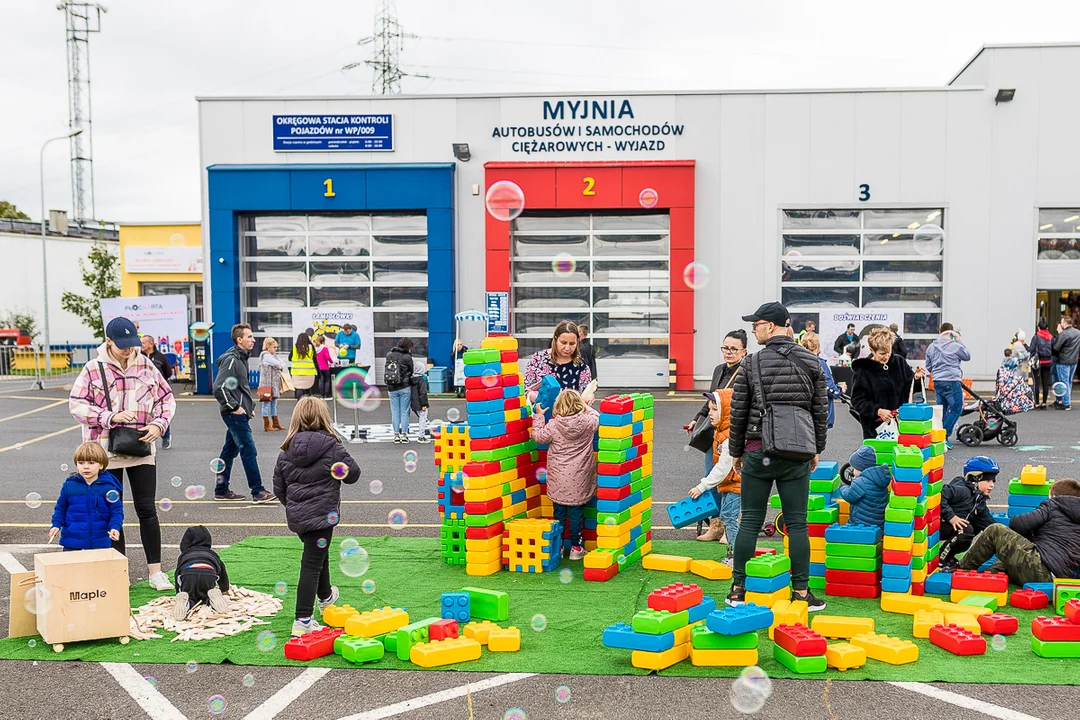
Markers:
868,493
90,510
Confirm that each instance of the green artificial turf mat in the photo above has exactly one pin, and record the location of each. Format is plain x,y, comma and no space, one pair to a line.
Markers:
408,573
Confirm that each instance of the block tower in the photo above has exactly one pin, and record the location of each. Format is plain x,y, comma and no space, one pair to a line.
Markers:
451,454
853,560
1028,491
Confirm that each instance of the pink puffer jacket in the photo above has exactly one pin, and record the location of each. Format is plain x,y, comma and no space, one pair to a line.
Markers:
571,464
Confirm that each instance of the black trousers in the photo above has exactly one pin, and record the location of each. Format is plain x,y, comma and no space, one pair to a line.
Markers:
1040,375
196,582
314,571
143,482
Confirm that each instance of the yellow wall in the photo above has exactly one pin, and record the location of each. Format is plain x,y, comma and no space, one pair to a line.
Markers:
156,236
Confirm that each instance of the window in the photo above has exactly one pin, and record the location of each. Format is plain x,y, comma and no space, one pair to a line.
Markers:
1059,234
193,291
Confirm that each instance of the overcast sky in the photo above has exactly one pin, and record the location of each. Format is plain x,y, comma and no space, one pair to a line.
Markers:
153,58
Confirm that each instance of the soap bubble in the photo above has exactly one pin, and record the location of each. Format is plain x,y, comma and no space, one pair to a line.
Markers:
348,544
538,623
280,587
200,332
541,474
63,467
410,456
758,678
375,487
504,200
266,641
354,562
696,275
217,705
998,642
339,471
410,467
746,698
191,666
793,259
231,383
562,693
563,265
397,518
766,461
32,643
648,198
928,240
176,239
515,714
1059,389
566,575
489,378
176,481
217,466
321,542
333,517
152,680
33,500
249,680
621,560
112,496
453,414
195,492
37,600
18,446
610,521
354,392
164,504
368,587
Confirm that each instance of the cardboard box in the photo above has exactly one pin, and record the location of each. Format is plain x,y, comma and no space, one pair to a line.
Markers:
86,595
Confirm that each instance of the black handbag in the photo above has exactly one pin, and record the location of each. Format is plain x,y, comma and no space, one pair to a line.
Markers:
123,440
787,431
701,437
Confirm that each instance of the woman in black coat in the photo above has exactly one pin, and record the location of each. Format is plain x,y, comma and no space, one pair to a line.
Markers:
881,383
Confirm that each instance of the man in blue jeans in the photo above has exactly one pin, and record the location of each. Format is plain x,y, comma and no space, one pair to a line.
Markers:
233,393
943,359
1066,352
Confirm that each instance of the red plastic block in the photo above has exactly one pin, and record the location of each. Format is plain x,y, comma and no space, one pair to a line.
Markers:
1054,629
677,597
800,640
313,645
617,405
618,468
758,552
483,533
852,577
508,356
613,493
998,624
957,640
919,441
443,629
918,588
483,395
981,581
816,529
908,489
933,526
932,564
936,474
483,508
600,574
481,469
1072,610
855,591
896,557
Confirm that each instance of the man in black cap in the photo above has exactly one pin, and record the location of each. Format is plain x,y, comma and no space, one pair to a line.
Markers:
790,375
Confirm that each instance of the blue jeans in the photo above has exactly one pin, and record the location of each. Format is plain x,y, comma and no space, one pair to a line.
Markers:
730,505
951,396
238,441
400,401
573,518
269,408
1065,373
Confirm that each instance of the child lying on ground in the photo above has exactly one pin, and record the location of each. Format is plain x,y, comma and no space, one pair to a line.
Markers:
963,508
722,481
200,574
90,510
868,493
1038,545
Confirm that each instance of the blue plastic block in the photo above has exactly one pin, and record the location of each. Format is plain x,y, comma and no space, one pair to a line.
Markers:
613,481
737,620
1047,588
512,392
482,407
456,606
1002,518
688,510
896,529
617,506
621,635
817,569
768,585
547,393
897,572
916,411
905,474
1028,502
933,539
895,585
856,534
613,420
482,432
927,453
938,583
481,368
825,471
1014,511
701,610
986,565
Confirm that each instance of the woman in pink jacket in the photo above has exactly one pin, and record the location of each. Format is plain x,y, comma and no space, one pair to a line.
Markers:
571,465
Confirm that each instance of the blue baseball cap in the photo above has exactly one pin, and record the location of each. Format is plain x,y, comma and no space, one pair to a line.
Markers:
863,459
123,333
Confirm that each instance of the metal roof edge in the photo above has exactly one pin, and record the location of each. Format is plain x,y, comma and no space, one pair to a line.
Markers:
226,167
1010,46
156,224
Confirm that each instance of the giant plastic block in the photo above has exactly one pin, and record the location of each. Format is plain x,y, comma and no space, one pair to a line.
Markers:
1033,475
480,631
697,613
669,563
958,641
708,569
887,649
981,581
800,665
376,622
906,604
1055,629
924,620
443,629
1072,610
972,610
768,599
675,597
1063,595
657,622
1029,599
336,615
767,585
998,624
412,634
704,639
741,619
504,640
800,640
444,652
968,622
312,645
978,599
623,636
689,510
706,657
767,566
850,590
361,650
939,583
488,604
788,612
455,606
845,656
839,626
660,660
1046,649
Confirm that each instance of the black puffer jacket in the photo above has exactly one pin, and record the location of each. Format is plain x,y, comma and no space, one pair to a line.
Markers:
783,384
195,547
874,387
1054,527
958,498
304,481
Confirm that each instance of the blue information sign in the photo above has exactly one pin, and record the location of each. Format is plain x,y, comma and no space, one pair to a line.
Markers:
319,133
498,312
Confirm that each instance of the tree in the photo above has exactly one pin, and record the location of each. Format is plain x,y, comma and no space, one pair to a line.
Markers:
21,319
103,280
8,211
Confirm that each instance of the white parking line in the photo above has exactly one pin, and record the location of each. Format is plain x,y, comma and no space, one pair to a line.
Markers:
9,563
154,703
438,697
283,697
964,701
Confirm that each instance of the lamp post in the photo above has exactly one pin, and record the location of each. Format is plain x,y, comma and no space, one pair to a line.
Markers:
44,259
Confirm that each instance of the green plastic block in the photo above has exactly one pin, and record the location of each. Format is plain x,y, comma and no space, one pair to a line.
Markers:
767,566
920,535
905,502
774,502
484,520
634,558
610,456
852,550
619,517
646,492
339,641
646,526
361,650
590,512
908,457
851,563
898,515
914,427
934,488
507,464
1062,595
883,458
1018,488
412,634
983,601
827,516
491,605
825,486
649,413
816,583
885,446
477,356
641,484
815,502
937,449
934,551
389,641
920,508
616,443
801,665
646,517
1058,649
703,638
658,622
635,475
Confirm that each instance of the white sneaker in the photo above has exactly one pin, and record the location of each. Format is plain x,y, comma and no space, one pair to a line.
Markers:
729,561
577,552
160,581
334,595
302,627
181,606
217,601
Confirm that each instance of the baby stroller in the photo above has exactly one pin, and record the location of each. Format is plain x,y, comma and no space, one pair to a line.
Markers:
992,423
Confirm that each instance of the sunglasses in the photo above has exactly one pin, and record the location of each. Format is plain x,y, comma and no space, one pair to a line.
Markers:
762,322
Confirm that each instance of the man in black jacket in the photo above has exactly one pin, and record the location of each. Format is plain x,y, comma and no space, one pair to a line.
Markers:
149,348
586,349
786,383
846,339
233,393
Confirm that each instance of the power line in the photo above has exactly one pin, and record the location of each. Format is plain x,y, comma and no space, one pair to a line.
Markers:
81,20
387,42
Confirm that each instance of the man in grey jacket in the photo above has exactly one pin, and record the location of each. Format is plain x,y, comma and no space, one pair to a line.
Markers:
233,393
1066,352
943,359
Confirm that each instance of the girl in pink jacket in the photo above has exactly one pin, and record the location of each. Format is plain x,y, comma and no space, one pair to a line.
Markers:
571,465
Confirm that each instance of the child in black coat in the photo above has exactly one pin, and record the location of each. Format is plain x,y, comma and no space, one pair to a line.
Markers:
419,400
200,574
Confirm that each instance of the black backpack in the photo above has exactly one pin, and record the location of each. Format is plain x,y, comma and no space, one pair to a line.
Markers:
394,373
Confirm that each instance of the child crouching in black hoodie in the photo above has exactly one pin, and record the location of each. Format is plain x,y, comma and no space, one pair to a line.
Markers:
200,574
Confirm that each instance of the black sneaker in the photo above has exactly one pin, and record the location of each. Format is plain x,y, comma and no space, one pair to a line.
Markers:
813,604
264,496
736,597
229,496
948,566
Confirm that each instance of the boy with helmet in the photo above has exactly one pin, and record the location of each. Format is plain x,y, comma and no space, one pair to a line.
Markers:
964,513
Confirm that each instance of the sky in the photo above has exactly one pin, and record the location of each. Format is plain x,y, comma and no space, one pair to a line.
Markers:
152,59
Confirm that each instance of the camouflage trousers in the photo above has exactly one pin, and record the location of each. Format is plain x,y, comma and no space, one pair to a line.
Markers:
1016,555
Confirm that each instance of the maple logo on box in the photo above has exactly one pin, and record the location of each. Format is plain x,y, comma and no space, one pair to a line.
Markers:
76,596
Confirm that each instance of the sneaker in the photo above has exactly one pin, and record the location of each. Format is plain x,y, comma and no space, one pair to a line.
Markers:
230,495
217,601
263,496
729,561
736,597
397,439
181,606
948,446
334,595
160,581
949,566
404,439
577,552
166,443
423,439
813,604
303,627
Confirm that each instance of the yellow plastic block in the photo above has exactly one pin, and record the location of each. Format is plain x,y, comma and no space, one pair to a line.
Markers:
903,544
638,415
844,505
600,559
646,549
937,461
502,343
647,425
845,656
788,612
605,530
948,607
841,626
658,660
483,557
670,563
335,615
883,648
958,595
906,604
1033,475
513,511
933,501
612,543
919,549
918,576
723,658
444,652
510,368
483,544
769,599
532,491
817,543
710,569
617,432
504,639
590,545
483,569
376,622
479,631
534,512
817,556
937,435
968,622
924,620
682,635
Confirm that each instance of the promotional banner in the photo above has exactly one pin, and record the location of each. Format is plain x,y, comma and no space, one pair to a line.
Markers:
331,321
172,259
832,323
164,317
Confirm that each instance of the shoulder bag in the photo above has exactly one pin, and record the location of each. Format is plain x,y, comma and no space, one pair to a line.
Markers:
701,436
122,440
787,431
